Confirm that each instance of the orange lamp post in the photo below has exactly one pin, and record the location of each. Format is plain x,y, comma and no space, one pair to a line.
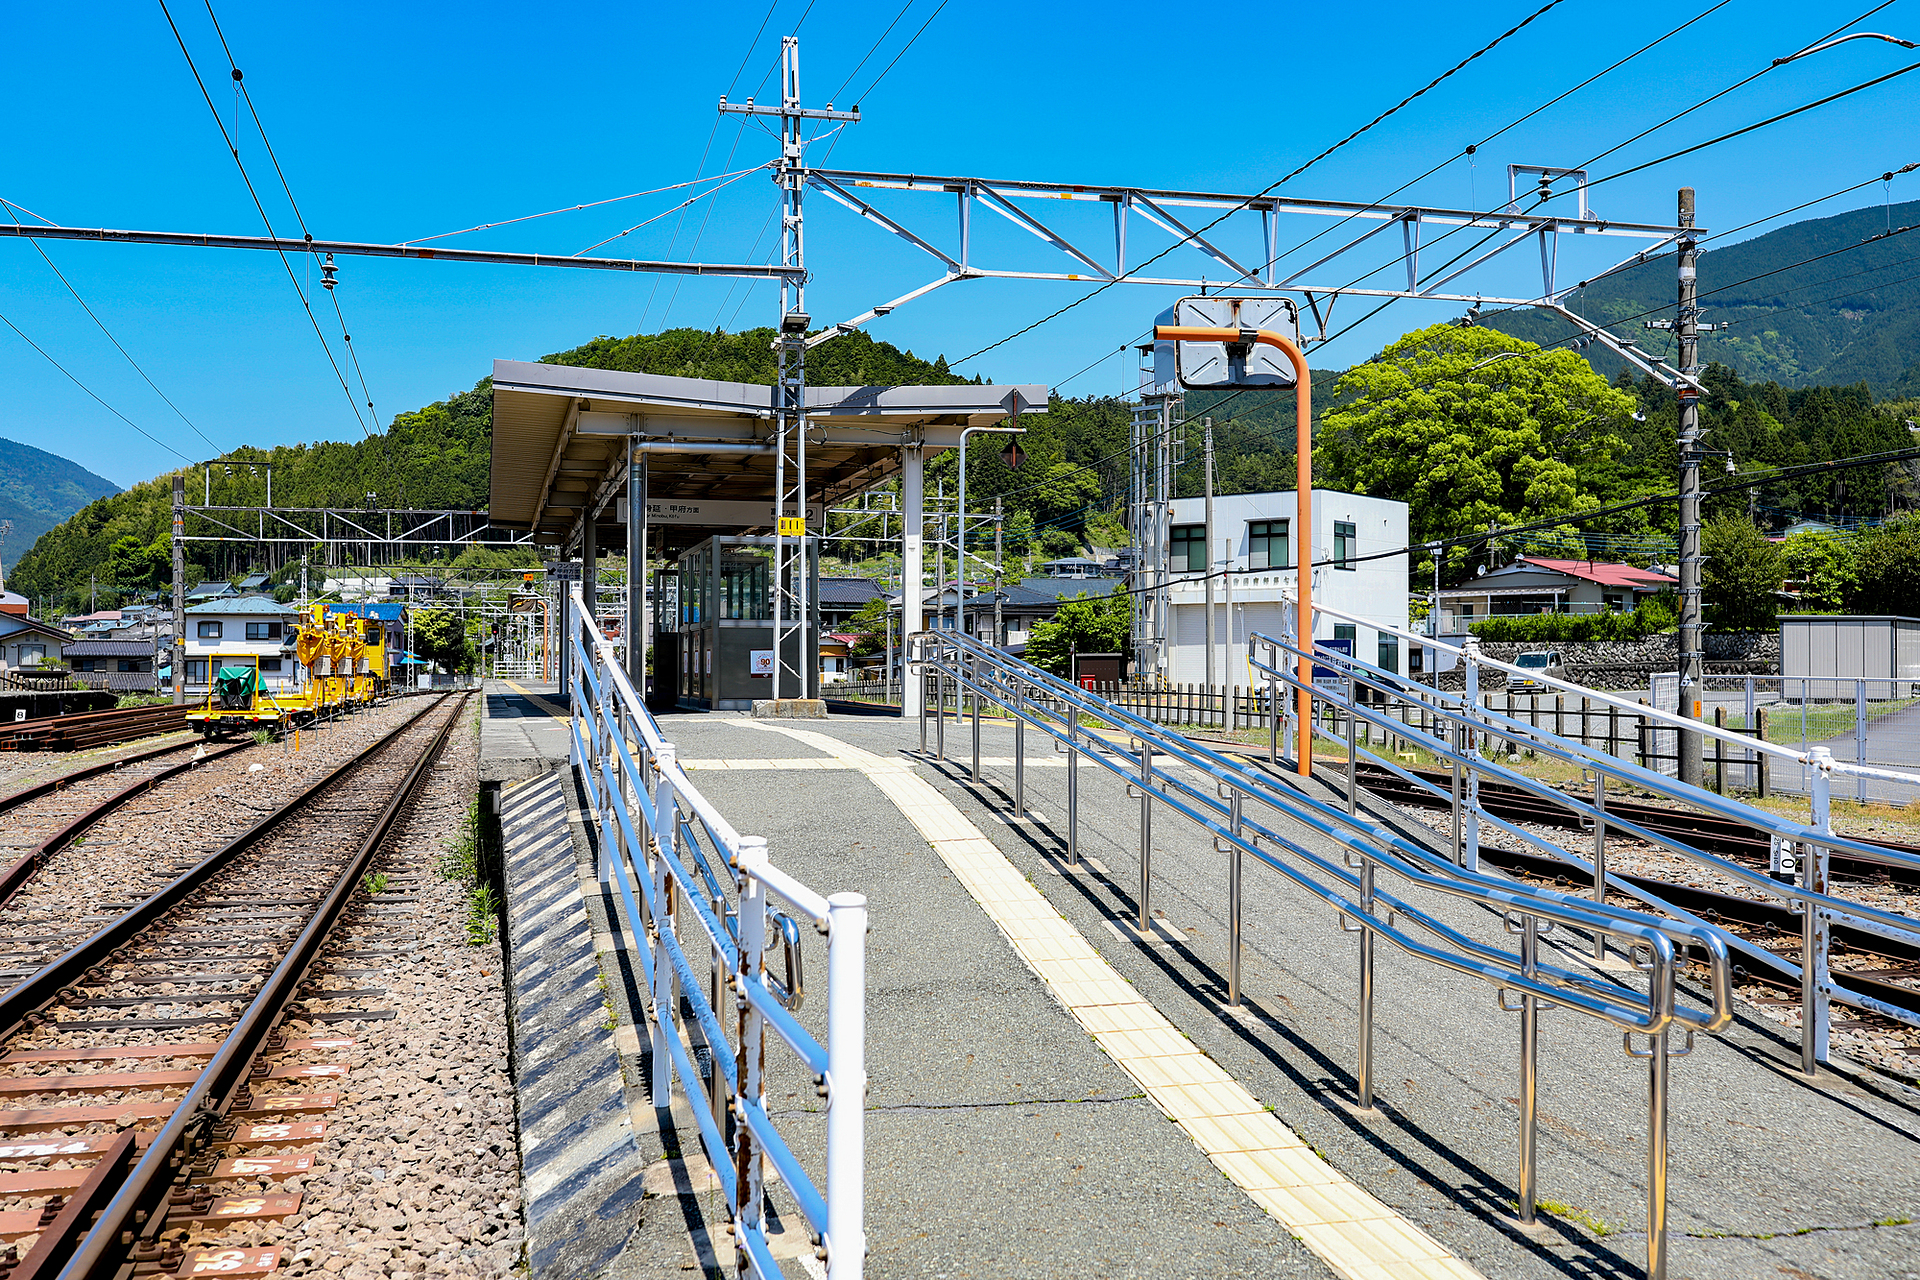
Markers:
1303,500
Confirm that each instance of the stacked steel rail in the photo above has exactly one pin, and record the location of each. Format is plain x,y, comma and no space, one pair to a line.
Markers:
143,1186
83,730
672,859
1251,813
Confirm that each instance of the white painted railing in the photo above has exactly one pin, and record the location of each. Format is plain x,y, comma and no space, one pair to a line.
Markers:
669,854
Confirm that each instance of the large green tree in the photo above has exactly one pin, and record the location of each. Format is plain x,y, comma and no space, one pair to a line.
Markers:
1740,581
1469,427
1084,624
1889,568
1821,567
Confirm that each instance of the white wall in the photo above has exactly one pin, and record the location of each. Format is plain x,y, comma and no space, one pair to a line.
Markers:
1376,590
233,640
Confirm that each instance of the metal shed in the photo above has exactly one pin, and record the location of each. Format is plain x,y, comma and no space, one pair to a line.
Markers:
1835,650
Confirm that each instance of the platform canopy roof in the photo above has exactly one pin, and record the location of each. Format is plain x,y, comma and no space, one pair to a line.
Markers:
560,438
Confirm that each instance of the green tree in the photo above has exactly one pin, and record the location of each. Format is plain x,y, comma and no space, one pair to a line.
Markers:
1740,581
1821,567
440,637
1889,568
1058,542
1470,426
1084,624
138,565
870,622
1020,533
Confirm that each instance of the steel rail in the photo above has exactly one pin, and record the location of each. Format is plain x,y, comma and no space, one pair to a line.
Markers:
133,1216
15,877
43,987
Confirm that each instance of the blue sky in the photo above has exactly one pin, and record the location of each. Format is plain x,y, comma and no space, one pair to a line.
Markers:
400,121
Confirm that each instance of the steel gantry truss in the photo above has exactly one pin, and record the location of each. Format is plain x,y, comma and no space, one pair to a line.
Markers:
1186,215
377,529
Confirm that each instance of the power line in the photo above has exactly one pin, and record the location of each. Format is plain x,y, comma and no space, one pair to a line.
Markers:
1486,48
116,343
575,208
234,150
90,391
1593,182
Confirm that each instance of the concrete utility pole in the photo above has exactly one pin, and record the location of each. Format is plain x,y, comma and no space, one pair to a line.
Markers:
1207,560
179,589
1686,328
999,559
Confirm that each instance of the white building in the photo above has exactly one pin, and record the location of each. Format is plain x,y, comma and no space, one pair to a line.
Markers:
1253,537
252,625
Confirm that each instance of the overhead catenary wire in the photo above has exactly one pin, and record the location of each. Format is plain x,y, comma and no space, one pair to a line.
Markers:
102,326
575,208
1593,182
234,150
91,392
1272,186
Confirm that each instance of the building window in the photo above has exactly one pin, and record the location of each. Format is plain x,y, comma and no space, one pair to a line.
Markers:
270,664
263,630
1342,545
208,631
196,670
1389,653
1348,632
32,654
83,664
1189,549
1267,544
1615,600
1466,614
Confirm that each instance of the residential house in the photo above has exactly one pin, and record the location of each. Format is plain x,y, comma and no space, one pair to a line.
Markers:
1073,567
123,666
841,598
207,591
1535,584
253,625
14,603
1359,544
26,644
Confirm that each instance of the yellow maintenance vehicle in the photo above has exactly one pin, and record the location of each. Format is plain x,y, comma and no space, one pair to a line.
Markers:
336,669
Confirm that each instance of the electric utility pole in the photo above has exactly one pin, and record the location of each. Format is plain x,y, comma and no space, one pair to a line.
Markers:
999,554
179,589
1207,561
1686,329
791,611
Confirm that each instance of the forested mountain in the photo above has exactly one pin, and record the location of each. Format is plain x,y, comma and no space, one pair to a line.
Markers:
1074,477
432,457
1829,301
38,490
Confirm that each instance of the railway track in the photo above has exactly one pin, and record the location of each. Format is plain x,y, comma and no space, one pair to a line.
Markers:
85,730
1723,836
146,1098
42,819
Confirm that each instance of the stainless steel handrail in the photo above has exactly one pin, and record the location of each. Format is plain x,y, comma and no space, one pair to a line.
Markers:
1819,909
1032,697
652,821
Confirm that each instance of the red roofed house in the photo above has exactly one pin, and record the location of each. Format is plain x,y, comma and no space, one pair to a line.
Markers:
1534,584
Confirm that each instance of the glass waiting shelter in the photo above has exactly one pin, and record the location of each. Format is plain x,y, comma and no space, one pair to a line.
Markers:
720,613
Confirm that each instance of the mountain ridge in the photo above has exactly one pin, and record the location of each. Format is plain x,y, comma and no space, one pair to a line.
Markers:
1827,301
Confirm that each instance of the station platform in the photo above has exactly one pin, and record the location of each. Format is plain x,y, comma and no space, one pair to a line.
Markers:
1051,1094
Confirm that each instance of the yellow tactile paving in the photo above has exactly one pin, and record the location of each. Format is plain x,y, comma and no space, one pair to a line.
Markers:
553,709
1357,1235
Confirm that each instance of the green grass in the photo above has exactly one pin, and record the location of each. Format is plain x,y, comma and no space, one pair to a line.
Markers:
460,862
1791,726
1574,1213
375,882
